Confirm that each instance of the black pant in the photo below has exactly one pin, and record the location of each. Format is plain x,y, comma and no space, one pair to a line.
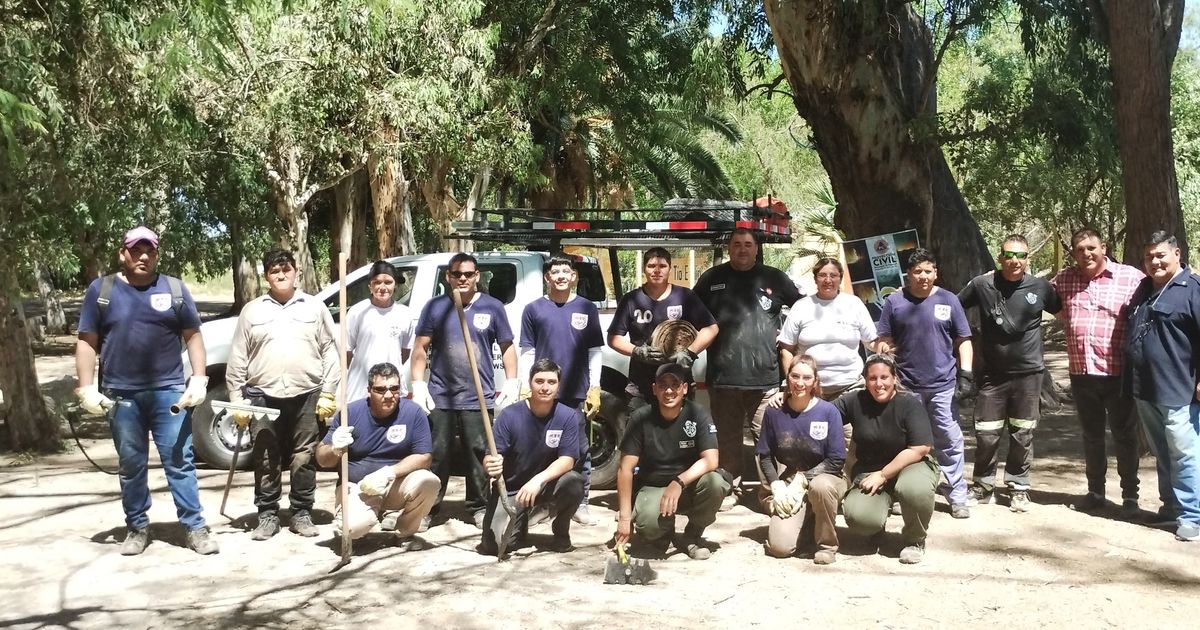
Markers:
1099,402
563,496
1012,403
292,435
460,433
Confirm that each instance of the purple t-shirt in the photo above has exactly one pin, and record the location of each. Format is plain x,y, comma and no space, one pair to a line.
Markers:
139,333
638,315
529,444
382,442
450,381
812,442
924,330
563,333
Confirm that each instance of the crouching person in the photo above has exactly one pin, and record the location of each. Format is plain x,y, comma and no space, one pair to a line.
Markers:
537,442
387,441
673,444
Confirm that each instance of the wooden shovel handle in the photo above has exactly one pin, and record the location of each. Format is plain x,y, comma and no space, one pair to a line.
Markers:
487,419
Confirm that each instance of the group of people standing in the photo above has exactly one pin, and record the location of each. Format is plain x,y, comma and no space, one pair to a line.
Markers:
866,417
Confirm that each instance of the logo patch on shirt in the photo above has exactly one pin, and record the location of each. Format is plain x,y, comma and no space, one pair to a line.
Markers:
481,320
1031,298
579,321
553,438
160,301
712,428
818,430
687,443
396,433
941,312
717,287
689,428
765,302
674,312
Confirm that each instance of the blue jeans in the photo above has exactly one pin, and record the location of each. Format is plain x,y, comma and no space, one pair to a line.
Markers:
137,416
948,442
1174,435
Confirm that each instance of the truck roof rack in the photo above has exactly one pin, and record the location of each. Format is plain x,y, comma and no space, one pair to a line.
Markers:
678,223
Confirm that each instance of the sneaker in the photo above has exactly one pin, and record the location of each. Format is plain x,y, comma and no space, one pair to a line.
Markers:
1187,532
584,517
201,542
980,496
1165,515
825,556
268,526
539,515
388,522
426,521
302,525
696,551
1130,510
135,542
477,518
959,510
728,503
409,543
1089,502
560,544
912,554
1019,501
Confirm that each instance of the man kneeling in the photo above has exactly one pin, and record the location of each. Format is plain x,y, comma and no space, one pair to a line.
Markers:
537,442
674,445
387,439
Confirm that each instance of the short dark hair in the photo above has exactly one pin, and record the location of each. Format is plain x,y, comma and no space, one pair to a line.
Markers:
556,260
381,370
1163,236
1085,233
884,359
461,258
921,255
744,230
545,365
277,257
382,267
656,252
825,261
1014,238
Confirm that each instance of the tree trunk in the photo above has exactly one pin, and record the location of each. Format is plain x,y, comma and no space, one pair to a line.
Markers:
389,197
30,424
345,208
862,75
1143,39
443,207
56,319
246,281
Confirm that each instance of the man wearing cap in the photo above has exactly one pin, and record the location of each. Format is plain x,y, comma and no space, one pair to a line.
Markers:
284,356
378,330
386,438
135,320
673,444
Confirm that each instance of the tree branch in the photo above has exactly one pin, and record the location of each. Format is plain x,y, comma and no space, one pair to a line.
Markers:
302,198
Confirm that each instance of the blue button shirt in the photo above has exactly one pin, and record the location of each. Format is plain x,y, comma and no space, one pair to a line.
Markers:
1164,328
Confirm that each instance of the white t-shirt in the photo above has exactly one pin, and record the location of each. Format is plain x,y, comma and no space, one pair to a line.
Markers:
377,335
830,331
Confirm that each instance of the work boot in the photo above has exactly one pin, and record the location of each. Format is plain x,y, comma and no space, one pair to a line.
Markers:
135,541
980,496
1089,502
268,526
912,554
302,524
201,542
1130,510
561,544
960,510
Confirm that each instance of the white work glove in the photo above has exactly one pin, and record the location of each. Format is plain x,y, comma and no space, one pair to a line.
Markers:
509,394
93,401
378,482
196,392
420,395
798,492
342,438
781,500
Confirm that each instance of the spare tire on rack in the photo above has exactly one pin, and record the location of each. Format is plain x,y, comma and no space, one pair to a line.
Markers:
213,435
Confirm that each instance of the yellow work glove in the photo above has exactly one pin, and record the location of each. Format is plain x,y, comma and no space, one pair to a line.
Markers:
591,404
326,406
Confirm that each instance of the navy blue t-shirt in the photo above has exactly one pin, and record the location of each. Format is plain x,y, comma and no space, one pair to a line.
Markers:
140,344
563,333
637,315
529,444
1161,357
812,441
924,330
385,441
450,381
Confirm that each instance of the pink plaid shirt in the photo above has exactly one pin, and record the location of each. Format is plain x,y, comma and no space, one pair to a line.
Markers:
1095,312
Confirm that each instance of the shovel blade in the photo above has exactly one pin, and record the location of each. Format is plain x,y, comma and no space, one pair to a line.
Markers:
616,572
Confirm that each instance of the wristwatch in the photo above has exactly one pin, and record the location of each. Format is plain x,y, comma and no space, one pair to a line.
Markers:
682,486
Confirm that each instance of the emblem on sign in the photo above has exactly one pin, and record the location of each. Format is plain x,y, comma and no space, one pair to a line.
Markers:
160,301
941,312
481,320
818,430
674,312
689,428
396,433
553,438
579,321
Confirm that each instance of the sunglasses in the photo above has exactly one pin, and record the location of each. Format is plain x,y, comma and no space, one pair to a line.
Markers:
463,274
1017,255
381,390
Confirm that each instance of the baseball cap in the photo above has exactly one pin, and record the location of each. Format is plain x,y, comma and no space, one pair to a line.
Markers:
141,233
674,369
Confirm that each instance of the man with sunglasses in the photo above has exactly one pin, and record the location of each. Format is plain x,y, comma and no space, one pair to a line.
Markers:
449,393
1010,302
387,442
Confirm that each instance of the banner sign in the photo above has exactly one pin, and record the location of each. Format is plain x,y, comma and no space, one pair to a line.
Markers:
875,265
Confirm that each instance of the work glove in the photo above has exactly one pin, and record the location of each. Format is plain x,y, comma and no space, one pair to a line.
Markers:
798,492
965,387
649,354
93,401
526,393
685,358
509,394
781,500
342,438
377,483
196,392
420,395
591,404
326,406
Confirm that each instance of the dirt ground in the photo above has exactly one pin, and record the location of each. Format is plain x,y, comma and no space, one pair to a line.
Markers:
61,522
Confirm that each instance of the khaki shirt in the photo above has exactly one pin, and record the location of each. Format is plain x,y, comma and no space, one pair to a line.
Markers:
284,349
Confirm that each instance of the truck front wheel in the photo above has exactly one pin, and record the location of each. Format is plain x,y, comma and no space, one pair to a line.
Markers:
605,434
213,435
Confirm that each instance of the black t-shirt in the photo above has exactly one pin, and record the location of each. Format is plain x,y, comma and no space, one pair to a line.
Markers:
882,430
1010,317
747,306
638,315
666,449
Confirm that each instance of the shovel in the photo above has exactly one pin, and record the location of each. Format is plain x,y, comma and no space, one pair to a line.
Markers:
255,413
621,570
503,522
